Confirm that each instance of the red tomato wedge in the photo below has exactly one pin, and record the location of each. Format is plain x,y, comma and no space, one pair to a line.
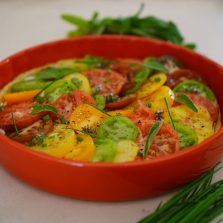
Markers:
66,104
109,81
22,114
142,116
166,141
37,128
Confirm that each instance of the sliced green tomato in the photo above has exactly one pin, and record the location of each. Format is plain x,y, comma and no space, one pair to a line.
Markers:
187,135
156,99
153,84
59,142
199,121
105,150
28,85
84,82
117,128
127,150
196,87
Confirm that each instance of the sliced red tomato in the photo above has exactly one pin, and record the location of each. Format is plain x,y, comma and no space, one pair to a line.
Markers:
166,141
212,107
37,128
181,75
126,70
66,104
109,81
142,116
122,102
22,114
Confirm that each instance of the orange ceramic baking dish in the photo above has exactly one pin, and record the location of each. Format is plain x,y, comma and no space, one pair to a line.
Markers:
105,181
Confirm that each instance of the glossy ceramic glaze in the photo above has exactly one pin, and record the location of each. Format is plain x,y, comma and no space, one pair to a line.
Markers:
104,181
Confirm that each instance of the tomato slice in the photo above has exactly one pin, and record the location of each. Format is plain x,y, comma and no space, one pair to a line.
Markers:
122,102
109,81
127,71
166,141
66,104
22,114
37,128
181,75
141,116
212,106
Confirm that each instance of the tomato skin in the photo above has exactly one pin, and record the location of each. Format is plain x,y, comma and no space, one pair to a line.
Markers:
66,104
29,133
166,141
22,114
122,102
181,75
109,81
142,116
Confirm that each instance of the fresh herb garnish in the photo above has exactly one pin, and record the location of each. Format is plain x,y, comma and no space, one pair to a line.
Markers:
199,201
154,64
184,99
159,115
151,136
169,113
62,119
1,107
100,101
140,77
149,26
76,82
14,123
86,130
111,98
52,73
79,138
107,80
96,90
42,108
46,118
38,140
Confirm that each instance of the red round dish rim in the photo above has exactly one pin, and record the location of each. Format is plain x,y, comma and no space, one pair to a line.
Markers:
181,153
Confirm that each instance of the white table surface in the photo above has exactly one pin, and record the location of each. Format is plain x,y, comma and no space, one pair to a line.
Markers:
24,23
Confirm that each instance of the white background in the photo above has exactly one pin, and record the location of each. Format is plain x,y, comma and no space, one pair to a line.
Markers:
24,23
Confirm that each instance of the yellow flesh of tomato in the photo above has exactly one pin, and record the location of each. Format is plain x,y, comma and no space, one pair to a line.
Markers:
86,116
200,121
82,151
156,99
153,84
59,142
127,150
121,111
85,85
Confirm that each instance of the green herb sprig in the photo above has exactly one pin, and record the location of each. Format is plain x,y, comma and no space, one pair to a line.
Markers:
199,201
184,99
151,136
14,123
149,26
169,113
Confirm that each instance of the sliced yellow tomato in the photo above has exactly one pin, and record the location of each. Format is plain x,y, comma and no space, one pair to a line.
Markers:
153,84
121,111
86,115
83,151
127,150
84,82
200,121
59,142
156,99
